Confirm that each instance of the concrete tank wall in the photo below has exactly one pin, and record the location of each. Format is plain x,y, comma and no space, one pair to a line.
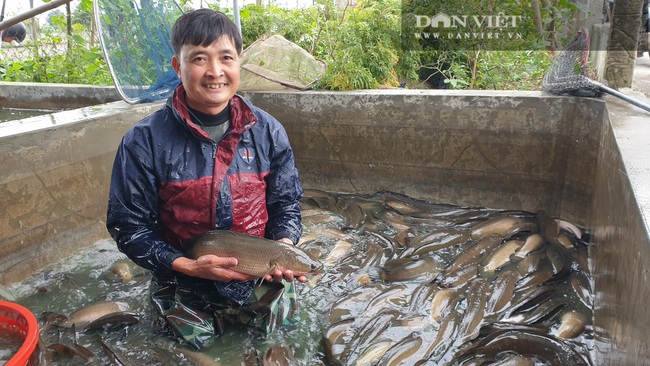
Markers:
494,149
54,176
620,248
576,158
54,96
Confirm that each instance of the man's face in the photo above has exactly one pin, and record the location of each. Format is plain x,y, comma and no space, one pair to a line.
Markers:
210,74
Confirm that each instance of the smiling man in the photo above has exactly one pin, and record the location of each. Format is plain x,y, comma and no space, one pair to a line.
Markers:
207,160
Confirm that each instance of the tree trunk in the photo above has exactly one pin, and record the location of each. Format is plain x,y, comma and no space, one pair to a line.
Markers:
537,16
622,44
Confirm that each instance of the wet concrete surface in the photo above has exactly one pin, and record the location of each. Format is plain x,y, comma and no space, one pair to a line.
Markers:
639,90
641,77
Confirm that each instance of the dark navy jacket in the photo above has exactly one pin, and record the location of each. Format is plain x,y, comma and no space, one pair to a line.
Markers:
171,182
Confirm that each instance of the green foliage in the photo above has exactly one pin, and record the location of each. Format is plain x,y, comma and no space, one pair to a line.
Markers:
345,74
512,69
83,13
362,45
58,57
497,63
364,48
297,26
471,25
502,70
359,44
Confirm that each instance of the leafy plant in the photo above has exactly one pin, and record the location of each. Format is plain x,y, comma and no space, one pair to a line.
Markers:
59,56
360,44
363,46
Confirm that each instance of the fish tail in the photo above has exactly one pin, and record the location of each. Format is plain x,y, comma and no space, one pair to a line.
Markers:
375,274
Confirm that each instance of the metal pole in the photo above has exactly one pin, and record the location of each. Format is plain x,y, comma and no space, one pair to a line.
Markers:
237,20
31,13
2,13
33,20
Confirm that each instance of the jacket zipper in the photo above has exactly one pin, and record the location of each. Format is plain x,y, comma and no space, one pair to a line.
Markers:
214,190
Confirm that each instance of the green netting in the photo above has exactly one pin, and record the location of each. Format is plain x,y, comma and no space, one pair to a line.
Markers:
135,36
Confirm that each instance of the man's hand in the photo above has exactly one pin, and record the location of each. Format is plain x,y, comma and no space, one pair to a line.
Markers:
210,267
286,275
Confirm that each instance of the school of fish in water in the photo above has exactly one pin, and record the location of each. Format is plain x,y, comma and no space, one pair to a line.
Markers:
434,284
405,282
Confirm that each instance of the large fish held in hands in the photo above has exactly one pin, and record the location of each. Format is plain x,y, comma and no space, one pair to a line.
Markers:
255,256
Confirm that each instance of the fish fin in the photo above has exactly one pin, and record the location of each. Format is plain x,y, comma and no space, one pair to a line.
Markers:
274,266
118,318
83,352
61,349
116,356
53,318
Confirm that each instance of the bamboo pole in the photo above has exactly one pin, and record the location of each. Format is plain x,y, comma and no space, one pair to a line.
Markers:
31,13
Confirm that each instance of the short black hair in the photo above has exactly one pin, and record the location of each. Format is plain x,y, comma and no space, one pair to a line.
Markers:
204,27
16,31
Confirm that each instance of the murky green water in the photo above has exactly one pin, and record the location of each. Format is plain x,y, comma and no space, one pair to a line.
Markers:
367,232
86,278
12,114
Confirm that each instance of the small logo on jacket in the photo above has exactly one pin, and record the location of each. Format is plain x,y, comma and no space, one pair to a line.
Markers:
247,154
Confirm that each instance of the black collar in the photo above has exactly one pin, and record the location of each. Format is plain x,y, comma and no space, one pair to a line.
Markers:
203,119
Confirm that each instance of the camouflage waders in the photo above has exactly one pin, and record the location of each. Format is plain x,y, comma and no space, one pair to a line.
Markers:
196,312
